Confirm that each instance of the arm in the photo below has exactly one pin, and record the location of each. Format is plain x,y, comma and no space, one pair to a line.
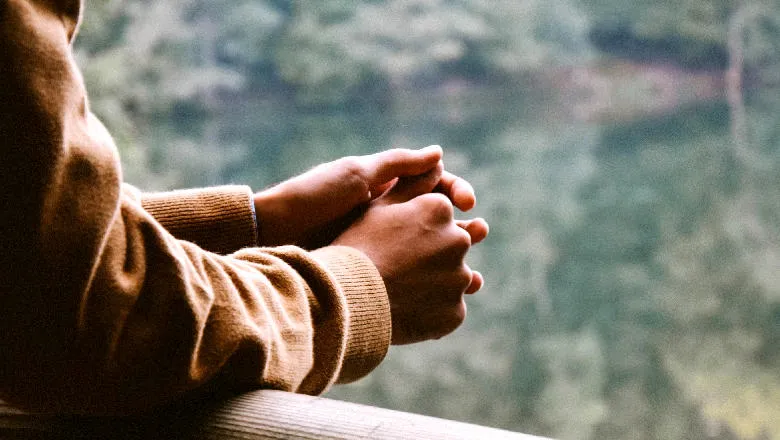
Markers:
309,210
103,309
220,220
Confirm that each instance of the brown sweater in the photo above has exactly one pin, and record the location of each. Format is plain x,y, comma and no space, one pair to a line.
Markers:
112,301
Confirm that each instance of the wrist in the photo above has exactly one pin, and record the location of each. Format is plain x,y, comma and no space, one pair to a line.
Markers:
272,216
369,330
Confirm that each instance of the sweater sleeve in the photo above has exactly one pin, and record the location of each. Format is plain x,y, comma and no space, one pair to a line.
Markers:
220,220
104,310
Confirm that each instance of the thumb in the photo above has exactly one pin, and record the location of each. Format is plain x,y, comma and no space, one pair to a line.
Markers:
409,187
384,167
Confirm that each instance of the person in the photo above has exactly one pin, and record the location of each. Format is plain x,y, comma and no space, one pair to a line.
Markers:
114,301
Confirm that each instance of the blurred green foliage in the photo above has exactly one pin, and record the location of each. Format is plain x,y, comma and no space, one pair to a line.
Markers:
625,154
334,49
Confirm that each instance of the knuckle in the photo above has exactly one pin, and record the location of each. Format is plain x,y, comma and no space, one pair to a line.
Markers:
455,316
462,241
460,312
463,278
354,173
438,206
351,165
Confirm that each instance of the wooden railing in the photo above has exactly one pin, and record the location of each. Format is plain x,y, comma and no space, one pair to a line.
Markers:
256,415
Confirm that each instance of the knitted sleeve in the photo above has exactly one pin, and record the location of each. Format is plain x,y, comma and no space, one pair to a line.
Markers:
103,309
220,219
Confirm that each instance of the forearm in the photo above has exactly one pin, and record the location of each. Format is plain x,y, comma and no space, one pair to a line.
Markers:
220,219
103,309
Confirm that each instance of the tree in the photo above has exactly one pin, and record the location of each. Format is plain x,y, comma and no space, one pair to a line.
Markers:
333,51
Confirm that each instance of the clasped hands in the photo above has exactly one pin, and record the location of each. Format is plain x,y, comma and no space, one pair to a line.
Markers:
397,207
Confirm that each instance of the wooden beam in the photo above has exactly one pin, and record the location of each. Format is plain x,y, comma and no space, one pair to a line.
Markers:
262,414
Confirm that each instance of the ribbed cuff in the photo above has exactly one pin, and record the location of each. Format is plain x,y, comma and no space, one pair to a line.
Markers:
219,219
370,328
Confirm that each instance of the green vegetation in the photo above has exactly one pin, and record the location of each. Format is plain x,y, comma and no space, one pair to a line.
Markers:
625,153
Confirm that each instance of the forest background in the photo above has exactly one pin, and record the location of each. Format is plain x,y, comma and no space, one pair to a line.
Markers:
625,154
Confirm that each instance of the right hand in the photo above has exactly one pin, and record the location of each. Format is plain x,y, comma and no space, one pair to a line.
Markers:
419,249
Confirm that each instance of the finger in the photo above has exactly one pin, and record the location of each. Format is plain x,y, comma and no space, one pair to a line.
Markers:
410,187
477,228
458,190
383,167
477,281
383,188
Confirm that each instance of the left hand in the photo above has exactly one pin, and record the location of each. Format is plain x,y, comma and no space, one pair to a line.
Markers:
312,209
418,248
